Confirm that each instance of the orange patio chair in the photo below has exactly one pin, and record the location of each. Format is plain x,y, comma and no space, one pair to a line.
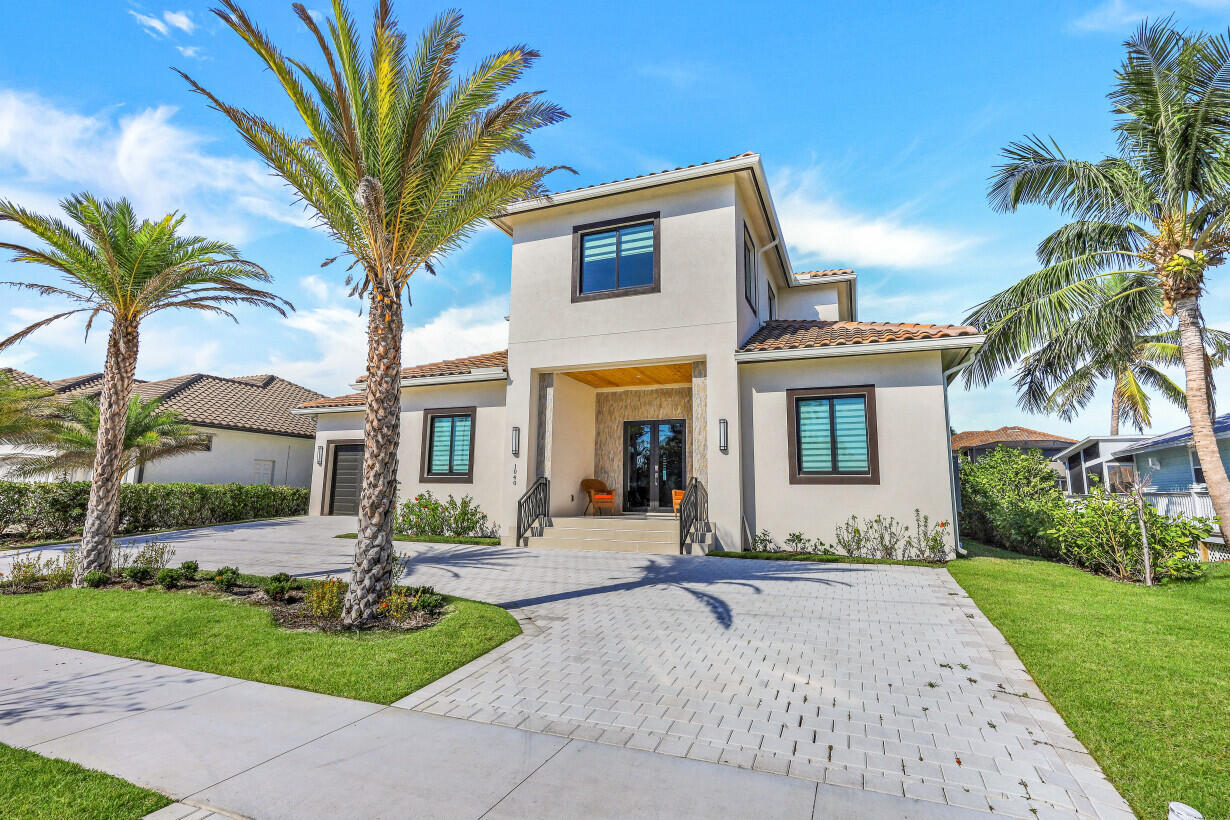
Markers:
600,496
677,499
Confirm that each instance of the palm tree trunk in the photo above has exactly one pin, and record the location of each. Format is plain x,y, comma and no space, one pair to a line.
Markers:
108,472
1195,366
1114,409
371,576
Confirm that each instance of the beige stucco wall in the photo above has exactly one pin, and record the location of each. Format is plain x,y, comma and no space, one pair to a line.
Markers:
572,447
693,317
486,397
808,302
912,435
230,459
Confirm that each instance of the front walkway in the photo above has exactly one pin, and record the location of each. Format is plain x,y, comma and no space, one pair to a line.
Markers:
268,752
881,678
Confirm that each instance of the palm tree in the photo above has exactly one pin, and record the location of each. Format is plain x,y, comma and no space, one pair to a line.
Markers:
1157,210
150,434
25,412
126,270
1117,339
399,166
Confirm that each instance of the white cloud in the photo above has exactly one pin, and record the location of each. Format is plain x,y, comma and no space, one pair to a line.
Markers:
334,349
152,25
1114,15
145,156
181,20
191,52
821,228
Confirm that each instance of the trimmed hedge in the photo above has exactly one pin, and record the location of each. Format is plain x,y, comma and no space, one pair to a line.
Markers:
50,510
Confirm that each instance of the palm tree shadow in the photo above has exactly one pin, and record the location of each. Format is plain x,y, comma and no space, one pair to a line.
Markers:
699,578
454,559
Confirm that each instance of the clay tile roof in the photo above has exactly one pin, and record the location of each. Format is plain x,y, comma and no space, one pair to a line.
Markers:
1005,435
792,334
454,367
20,378
653,174
259,404
349,400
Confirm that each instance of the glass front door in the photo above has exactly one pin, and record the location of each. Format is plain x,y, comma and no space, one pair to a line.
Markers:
654,459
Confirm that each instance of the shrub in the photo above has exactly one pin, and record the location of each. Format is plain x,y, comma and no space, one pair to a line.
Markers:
1101,533
401,601
425,515
1011,498
764,542
324,599
138,573
95,579
25,571
51,509
154,554
226,578
277,586
189,569
927,541
168,578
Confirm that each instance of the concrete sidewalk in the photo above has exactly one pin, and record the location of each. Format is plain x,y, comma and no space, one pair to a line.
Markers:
253,750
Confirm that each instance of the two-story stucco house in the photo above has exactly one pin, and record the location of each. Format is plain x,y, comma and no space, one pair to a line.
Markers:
659,339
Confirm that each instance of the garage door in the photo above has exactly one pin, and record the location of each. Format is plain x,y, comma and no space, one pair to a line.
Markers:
347,479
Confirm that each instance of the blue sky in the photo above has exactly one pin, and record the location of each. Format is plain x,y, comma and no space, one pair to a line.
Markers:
878,122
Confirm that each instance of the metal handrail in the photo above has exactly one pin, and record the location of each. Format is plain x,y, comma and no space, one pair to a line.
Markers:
693,511
535,504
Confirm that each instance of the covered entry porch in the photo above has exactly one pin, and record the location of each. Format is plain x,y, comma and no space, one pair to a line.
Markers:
640,430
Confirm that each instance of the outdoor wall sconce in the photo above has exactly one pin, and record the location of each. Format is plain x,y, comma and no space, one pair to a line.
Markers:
723,436
516,442
320,455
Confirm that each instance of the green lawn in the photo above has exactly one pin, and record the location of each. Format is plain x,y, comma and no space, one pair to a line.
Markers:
33,787
228,637
1139,674
818,558
436,539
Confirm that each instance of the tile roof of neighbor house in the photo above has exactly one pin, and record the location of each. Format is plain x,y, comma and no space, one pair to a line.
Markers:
823,274
1004,435
20,378
259,404
1175,438
793,334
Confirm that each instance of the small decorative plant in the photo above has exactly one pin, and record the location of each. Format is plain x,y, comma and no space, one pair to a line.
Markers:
277,587
426,515
168,578
226,578
324,599
154,554
138,573
189,569
96,578
764,542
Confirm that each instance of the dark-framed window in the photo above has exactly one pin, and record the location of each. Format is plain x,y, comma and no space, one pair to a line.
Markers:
448,445
832,435
772,302
1197,470
616,257
749,270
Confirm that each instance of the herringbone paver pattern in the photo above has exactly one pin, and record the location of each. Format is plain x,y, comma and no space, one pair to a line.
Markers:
876,677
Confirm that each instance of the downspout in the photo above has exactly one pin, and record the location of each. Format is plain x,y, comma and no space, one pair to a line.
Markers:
953,498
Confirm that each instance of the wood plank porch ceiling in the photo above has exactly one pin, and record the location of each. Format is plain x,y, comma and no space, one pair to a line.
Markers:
678,373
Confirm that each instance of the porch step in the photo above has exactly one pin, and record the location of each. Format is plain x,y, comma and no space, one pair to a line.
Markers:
658,536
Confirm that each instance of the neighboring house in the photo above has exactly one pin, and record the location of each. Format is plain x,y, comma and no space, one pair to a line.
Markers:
254,436
658,334
1099,459
1171,465
973,444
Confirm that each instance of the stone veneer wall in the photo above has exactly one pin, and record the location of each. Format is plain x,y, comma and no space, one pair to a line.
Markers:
614,407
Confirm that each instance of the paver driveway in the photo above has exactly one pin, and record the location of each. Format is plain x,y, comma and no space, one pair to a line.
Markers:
877,677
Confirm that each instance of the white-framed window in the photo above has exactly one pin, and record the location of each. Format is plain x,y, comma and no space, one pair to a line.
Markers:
262,470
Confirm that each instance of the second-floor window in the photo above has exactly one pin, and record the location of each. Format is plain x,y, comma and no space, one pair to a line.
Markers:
749,269
616,258
772,303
